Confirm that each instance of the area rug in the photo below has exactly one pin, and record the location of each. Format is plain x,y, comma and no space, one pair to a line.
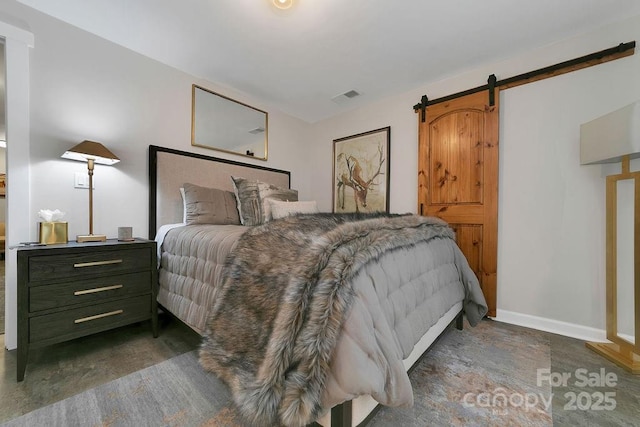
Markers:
176,392
493,375
463,381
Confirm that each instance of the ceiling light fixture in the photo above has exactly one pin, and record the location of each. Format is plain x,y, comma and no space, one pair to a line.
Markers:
283,4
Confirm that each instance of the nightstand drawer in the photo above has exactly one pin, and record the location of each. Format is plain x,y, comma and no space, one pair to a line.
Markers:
82,321
73,289
88,291
66,266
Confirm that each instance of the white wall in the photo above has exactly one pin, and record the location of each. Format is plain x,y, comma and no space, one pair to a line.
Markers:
551,210
18,42
84,87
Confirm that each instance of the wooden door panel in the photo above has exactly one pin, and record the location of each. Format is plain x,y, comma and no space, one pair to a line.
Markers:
469,239
456,158
458,179
463,214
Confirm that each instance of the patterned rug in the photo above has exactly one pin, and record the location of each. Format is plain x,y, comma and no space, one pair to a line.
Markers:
492,375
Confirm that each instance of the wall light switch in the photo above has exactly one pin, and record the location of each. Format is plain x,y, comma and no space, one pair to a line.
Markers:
82,181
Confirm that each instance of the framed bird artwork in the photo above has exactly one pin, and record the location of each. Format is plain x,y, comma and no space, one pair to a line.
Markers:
361,172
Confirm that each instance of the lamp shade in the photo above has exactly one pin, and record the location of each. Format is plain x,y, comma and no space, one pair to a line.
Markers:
608,138
87,150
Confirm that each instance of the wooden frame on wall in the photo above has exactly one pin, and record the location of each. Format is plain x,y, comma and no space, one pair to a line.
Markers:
623,352
361,172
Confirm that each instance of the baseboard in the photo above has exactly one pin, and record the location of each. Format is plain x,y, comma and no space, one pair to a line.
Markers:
572,330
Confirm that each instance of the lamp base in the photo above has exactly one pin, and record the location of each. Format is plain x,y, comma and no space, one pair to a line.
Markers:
625,358
91,238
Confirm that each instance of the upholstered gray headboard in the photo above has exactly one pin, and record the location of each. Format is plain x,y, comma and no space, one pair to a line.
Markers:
169,169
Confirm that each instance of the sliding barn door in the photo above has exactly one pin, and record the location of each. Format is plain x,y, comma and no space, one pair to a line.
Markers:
458,179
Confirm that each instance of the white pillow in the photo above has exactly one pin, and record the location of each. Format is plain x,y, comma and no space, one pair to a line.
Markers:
184,206
281,209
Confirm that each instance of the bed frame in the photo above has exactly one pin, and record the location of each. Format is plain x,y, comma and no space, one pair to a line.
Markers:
342,415
169,169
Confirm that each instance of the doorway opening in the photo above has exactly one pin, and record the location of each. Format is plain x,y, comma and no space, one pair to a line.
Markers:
3,180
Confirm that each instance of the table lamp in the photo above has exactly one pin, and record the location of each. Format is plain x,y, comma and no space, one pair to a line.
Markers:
91,152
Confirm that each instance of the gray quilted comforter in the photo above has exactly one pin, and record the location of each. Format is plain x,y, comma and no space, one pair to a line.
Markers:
318,309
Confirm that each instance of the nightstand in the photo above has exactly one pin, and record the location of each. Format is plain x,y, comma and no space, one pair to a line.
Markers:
67,291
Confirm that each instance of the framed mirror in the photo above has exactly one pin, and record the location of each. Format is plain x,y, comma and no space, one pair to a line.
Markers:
223,124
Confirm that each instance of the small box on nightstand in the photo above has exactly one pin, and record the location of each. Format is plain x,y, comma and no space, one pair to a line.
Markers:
125,234
53,232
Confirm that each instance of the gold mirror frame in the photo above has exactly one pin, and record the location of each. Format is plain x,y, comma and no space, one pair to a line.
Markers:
224,124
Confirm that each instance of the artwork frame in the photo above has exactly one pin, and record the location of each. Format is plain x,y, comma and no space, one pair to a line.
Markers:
361,172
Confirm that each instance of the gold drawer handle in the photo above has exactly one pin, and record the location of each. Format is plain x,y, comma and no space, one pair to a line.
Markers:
98,316
95,263
96,290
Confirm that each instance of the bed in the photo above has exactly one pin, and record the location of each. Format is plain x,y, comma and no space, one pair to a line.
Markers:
306,312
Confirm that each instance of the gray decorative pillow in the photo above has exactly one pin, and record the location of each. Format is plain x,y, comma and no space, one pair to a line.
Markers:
252,199
205,205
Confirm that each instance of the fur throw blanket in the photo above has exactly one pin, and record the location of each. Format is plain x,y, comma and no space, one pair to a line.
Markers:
277,317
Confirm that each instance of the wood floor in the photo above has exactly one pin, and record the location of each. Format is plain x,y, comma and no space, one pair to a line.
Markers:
63,370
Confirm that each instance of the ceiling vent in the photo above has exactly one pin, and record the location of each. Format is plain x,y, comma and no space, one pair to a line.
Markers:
344,97
256,131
